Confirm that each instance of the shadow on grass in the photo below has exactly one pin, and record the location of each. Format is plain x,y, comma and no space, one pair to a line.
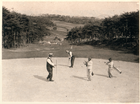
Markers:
102,75
83,78
41,78
105,75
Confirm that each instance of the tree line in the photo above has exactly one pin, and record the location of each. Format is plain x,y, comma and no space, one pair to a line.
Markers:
71,19
20,29
124,26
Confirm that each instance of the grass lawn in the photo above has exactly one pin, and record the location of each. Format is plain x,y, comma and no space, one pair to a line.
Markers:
67,25
42,50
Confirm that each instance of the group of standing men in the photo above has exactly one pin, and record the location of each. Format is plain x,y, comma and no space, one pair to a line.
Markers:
50,65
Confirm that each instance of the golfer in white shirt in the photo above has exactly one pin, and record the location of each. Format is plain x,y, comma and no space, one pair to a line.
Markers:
89,68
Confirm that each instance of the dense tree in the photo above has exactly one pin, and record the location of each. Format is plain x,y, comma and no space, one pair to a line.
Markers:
125,26
19,29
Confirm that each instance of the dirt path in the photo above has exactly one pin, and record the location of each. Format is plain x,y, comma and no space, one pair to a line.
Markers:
25,80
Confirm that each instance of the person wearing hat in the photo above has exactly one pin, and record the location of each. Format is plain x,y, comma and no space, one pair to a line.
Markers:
89,68
111,67
71,57
49,66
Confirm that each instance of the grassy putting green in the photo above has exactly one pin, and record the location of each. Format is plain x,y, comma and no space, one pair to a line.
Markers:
24,80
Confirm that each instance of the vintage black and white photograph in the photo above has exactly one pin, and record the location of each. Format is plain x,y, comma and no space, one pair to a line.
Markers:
70,51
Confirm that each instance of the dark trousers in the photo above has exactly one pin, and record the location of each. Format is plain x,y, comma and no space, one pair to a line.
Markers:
72,60
50,74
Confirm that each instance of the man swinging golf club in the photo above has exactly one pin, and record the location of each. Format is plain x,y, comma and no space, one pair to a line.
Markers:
111,67
49,66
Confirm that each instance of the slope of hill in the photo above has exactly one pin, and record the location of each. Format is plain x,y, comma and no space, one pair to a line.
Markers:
66,25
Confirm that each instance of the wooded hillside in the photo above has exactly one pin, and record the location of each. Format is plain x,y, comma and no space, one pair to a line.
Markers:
124,29
19,29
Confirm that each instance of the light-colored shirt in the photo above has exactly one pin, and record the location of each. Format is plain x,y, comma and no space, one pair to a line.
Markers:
110,64
69,54
89,65
50,62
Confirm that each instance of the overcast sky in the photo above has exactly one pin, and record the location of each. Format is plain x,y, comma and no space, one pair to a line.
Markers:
78,8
